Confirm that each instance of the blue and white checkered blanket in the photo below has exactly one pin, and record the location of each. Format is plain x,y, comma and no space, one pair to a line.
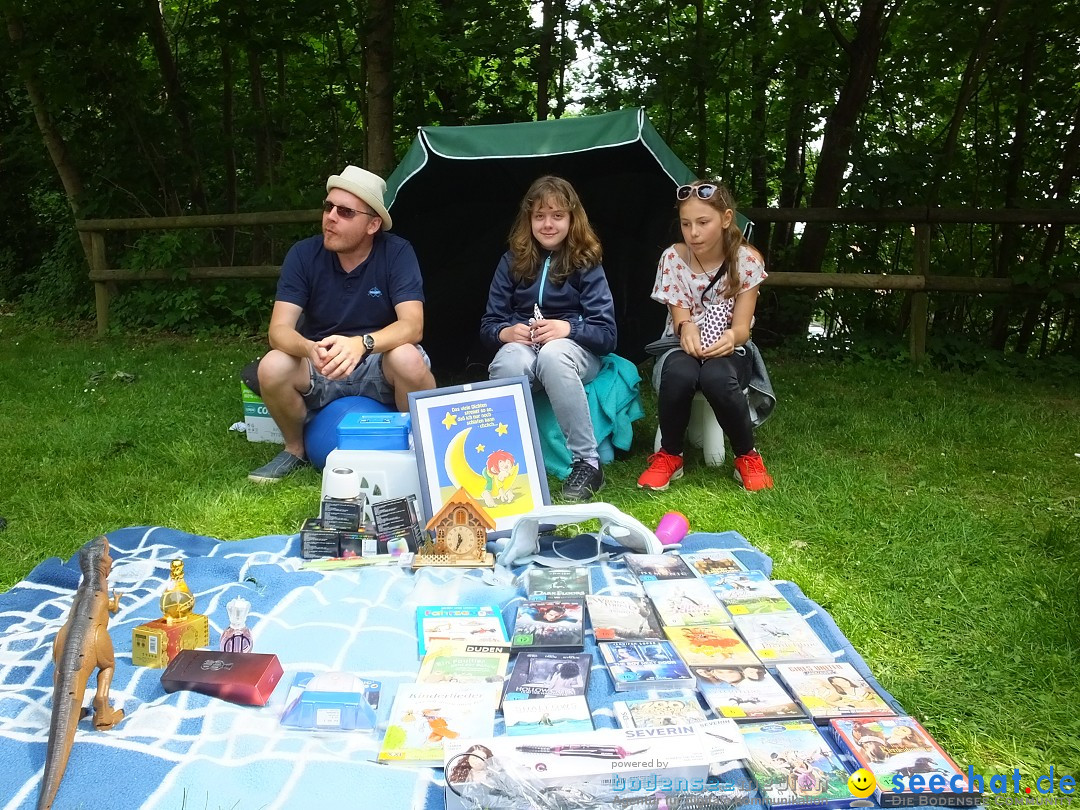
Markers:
186,750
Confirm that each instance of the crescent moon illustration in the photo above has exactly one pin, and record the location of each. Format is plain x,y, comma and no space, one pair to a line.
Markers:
457,466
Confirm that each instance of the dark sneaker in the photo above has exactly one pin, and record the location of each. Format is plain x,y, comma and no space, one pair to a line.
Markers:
751,473
279,466
663,469
584,481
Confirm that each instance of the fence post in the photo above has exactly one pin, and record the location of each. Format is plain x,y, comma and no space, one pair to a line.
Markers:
101,287
920,304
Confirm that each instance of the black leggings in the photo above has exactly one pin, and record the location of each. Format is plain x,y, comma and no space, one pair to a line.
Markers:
721,380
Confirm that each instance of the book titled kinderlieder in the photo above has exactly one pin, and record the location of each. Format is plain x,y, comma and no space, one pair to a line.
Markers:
471,624
794,767
897,750
833,690
424,715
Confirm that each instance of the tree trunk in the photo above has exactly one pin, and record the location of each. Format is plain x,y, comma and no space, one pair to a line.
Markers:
839,136
968,84
228,143
1006,249
793,174
174,93
759,105
54,140
260,246
50,133
543,59
701,89
380,88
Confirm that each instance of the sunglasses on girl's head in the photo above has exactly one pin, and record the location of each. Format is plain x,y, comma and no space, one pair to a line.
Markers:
342,211
704,191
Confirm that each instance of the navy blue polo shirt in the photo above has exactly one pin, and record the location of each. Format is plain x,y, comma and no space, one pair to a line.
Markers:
356,303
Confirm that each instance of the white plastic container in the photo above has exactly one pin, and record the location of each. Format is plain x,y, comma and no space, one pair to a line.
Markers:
383,474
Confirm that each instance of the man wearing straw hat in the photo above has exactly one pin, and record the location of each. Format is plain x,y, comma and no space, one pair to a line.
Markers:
348,317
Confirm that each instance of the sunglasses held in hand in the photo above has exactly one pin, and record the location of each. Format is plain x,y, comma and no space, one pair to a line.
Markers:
343,212
704,191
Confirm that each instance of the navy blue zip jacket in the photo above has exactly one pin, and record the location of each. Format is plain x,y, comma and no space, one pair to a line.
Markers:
583,300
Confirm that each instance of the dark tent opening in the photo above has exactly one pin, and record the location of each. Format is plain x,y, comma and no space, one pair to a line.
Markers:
458,190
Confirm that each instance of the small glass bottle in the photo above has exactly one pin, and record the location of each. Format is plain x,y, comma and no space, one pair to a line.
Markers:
237,637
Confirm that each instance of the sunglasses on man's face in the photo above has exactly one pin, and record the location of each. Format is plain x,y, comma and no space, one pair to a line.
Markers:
343,212
703,191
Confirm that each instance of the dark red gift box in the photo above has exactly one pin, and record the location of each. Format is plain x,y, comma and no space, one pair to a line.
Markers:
247,678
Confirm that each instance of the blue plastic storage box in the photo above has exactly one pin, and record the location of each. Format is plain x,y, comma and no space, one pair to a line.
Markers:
374,431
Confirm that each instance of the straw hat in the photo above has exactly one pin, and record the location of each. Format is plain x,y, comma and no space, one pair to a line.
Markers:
367,186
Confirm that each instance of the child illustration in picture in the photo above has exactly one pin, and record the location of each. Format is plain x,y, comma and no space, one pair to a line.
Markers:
550,316
438,726
709,283
499,474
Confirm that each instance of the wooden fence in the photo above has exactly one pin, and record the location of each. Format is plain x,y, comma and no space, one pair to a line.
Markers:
919,282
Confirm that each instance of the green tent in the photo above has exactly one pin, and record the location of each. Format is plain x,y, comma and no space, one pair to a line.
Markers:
456,193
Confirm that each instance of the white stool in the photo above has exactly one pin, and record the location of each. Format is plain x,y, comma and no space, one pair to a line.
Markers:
384,474
703,431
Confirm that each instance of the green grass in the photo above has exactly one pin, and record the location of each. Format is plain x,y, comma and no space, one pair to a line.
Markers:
935,516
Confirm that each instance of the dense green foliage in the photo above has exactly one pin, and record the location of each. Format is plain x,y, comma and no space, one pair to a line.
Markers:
933,514
194,106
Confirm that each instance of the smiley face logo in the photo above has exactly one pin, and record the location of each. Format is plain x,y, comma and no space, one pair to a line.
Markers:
861,783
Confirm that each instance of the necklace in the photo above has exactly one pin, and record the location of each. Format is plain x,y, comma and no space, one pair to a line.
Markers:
694,256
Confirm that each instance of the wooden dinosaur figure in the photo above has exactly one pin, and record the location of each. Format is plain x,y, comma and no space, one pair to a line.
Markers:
82,645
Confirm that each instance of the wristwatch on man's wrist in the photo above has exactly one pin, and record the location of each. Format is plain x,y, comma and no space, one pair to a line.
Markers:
369,343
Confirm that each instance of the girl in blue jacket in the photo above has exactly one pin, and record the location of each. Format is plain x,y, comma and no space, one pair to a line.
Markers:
550,314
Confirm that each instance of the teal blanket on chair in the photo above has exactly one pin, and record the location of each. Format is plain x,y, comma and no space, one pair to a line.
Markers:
614,405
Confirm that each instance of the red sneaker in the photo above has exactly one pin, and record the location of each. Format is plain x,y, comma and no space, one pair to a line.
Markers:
663,469
751,473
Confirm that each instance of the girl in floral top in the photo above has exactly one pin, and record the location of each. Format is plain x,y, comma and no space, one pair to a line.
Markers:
709,283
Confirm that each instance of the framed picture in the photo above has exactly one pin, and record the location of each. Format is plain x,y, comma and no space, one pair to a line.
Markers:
480,437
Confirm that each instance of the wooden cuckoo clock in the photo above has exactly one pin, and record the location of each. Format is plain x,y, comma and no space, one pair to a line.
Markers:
458,535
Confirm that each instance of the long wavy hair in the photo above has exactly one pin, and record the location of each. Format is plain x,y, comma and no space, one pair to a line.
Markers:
581,248
723,201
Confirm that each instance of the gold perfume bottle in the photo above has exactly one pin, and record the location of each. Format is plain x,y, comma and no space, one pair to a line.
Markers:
177,603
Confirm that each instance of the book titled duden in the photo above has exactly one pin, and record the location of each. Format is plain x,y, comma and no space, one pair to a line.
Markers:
601,766
247,678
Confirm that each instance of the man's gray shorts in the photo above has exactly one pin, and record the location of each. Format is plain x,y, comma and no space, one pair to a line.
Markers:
367,380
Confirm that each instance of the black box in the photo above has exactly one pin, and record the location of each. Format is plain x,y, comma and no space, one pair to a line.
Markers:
342,515
315,541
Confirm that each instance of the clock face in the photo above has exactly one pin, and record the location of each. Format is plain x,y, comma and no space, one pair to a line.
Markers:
460,540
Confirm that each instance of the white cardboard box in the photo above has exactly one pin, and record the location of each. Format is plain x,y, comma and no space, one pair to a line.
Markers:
260,426
603,764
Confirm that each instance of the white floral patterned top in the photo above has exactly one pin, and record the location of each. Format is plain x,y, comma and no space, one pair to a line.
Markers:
677,285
